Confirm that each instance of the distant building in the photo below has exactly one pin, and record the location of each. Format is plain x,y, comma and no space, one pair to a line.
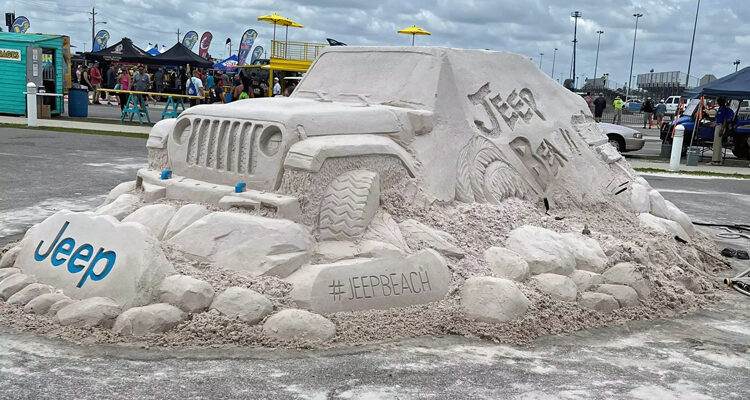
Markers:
706,79
660,85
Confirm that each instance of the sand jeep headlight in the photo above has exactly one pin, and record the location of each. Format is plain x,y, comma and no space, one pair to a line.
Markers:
270,140
182,131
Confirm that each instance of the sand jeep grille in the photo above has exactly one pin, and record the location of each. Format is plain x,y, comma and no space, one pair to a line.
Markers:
221,145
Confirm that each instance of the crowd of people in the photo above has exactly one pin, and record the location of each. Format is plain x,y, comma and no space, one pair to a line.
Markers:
649,109
214,86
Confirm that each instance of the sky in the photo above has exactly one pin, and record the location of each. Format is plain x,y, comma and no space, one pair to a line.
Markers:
528,27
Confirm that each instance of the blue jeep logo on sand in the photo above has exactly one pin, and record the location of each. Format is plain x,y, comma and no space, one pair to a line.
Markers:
60,249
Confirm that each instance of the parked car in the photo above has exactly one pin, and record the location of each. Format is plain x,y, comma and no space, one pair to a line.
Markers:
633,105
622,138
672,103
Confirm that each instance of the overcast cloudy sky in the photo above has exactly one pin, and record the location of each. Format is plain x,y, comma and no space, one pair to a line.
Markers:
528,27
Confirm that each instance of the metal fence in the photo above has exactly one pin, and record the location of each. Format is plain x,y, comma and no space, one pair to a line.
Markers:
297,51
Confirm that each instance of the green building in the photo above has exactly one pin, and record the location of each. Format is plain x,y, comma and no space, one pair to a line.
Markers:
42,59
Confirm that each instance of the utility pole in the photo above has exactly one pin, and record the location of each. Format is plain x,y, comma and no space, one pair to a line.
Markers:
596,64
554,54
575,15
541,55
690,60
178,35
93,26
632,57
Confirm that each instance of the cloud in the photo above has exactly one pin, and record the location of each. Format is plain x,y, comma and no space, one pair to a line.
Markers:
528,27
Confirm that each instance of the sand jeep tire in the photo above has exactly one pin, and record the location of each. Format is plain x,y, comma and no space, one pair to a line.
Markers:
348,205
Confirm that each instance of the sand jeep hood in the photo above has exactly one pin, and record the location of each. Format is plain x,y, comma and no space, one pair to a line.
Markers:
316,117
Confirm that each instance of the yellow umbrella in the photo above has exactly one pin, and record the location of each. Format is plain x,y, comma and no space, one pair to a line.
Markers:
413,31
276,19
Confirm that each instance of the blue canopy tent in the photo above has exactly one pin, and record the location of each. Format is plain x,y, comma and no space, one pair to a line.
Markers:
226,65
733,86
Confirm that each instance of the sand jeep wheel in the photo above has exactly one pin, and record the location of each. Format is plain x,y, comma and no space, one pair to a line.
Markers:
348,205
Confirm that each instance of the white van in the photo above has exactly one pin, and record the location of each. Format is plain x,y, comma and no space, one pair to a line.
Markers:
672,103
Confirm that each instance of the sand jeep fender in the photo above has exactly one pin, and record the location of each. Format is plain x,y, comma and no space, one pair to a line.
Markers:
157,138
309,154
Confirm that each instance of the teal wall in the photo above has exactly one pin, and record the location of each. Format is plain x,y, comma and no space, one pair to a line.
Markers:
13,73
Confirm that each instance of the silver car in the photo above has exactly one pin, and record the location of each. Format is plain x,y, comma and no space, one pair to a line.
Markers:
623,138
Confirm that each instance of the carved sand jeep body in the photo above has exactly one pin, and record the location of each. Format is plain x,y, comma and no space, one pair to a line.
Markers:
465,124
356,186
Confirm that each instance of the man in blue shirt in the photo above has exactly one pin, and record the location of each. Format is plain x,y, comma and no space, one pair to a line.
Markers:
723,117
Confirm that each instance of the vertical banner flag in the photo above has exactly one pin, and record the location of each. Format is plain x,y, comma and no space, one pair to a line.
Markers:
100,40
248,38
190,39
20,25
257,53
205,44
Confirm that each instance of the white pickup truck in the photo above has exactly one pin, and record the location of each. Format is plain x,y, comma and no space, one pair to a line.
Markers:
672,102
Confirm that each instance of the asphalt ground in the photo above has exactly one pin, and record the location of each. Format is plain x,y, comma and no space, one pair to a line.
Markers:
703,355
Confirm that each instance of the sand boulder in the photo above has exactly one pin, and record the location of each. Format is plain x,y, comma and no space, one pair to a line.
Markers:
153,318
558,286
155,217
294,324
120,189
586,279
601,302
186,293
249,244
185,216
245,304
6,272
94,311
544,250
42,303
14,283
121,207
9,257
662,225
676,215
441,241
506,264
25,295
625,295
627,274
587,252
489,299
658,205
59,305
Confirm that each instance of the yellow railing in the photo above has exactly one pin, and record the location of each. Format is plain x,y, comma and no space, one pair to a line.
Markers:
297,51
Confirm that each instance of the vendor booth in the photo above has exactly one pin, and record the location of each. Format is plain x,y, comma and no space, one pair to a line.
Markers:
33,58
123,51
179,55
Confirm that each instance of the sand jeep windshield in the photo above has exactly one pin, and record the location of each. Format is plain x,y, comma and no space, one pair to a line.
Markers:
398,78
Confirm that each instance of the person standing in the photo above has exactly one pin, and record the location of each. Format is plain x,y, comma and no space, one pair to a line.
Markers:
618,110
723,117
111,80
599,105
141,83
159,80
659,111
124,81
648,110
194,87
96,82
589,101
276,87
210,81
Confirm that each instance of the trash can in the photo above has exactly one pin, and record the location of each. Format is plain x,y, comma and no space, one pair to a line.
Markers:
78,103
693,155
666,151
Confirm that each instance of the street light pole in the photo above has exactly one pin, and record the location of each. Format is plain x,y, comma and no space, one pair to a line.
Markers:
632,57
596,64
690,60
736,65
541,55
554,54
575,15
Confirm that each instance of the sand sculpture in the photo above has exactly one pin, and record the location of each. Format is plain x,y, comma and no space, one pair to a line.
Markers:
395,184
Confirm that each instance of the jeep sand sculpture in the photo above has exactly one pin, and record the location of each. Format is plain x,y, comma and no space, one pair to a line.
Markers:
330,201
